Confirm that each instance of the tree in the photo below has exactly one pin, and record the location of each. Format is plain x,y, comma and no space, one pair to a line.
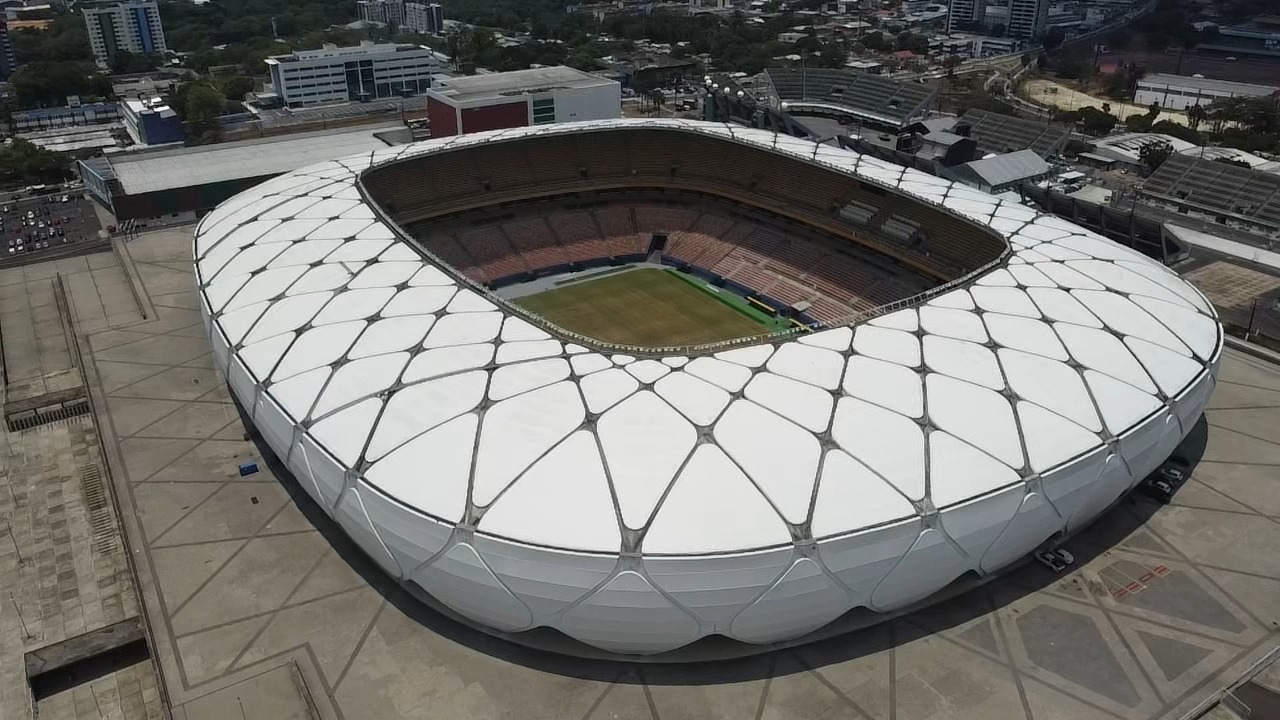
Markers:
1196,114
23,163
1090,119
1182,132
64,39
125,62
1106,108
49,83
198,102
656,98
1052,40
235,88
1153,154
951,62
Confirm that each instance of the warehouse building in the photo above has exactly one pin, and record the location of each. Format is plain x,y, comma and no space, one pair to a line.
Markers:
1179,92
539,96
171,185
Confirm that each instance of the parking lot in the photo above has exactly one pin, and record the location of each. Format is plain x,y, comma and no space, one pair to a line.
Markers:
45,222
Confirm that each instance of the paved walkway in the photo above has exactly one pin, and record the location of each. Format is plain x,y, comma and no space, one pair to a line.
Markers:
63,570
250,586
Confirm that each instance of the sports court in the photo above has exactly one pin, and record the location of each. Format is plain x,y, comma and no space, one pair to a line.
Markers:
650,307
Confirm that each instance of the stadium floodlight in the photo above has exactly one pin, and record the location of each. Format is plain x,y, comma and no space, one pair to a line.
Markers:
715,87
741,94
785,105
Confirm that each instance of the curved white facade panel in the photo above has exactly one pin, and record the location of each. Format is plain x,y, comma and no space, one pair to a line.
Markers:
639,504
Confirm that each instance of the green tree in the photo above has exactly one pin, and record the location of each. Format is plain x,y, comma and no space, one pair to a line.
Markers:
126,62
235,88
64,39
1182,132
23,163
49,83
198,102
1154,154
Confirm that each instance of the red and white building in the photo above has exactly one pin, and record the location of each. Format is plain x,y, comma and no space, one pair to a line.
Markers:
539,96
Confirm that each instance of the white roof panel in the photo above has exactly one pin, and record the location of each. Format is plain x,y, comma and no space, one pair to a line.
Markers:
888,443
976,415
778,455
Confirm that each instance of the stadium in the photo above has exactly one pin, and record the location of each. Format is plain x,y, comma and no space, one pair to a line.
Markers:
649,383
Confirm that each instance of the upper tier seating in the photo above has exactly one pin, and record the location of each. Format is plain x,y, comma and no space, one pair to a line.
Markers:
449,182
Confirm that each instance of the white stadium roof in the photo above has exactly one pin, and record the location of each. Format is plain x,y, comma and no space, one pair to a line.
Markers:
638,502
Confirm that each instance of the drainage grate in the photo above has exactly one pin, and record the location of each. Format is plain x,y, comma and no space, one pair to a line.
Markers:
36,418
95,498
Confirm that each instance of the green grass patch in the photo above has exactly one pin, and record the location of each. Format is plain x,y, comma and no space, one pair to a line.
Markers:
647,307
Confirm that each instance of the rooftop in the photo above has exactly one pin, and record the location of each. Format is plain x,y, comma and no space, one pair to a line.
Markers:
519,82
182,167
1201,83
1004,169
330,50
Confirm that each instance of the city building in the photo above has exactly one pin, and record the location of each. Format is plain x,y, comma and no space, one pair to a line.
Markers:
1002,172
1027,19
366,71
141,86
524,97
1127,148
424,18
130,26
1179,92
966,15
150,121
385,12
8,61
60,117
178,184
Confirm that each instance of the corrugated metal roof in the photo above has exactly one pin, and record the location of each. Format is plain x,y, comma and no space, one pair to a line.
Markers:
1162,81
1004,169
184,167
487,87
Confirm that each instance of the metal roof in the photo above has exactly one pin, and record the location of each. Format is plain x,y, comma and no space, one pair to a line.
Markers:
1163,80
519,82
184,167
1004,169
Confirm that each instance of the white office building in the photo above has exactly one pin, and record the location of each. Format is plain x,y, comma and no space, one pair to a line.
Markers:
424,18
367,71
1179,92
132,26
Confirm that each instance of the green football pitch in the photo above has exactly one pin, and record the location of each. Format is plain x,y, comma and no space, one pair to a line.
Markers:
649,307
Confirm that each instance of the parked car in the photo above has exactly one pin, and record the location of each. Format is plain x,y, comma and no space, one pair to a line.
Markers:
1056,560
